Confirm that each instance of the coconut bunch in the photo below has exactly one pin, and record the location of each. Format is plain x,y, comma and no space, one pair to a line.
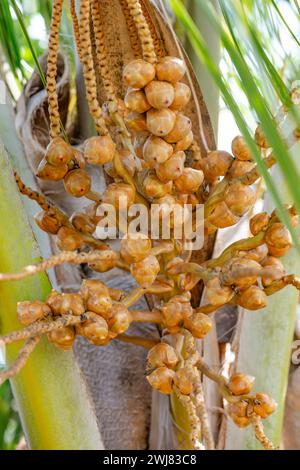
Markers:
152,150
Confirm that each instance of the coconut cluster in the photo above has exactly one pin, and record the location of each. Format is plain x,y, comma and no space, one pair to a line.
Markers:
104,317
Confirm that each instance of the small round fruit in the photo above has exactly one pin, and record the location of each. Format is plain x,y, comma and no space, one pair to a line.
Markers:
185,143
135,247
215,164
99,150
77,183
93,287
276,273
136,101
138,73
240,168
170,69
156,151
172,168
222,217
71,304
256,254
161,379
181,128
137,122
182,95
241,384
30,311
264,405
159,94
48,222
217,294
239,198
241,422
278,236
240,272
54,301
162,355
154,188
100,304
260,138
95,329
119,195
259,222
145,271
240,149
63,338
69,239
120,320
189,181
160,122
128,161
83,223
49,172
172,314
252,298
198,324
58,152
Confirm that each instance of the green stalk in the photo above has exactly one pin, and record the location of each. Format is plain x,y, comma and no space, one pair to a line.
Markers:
51,396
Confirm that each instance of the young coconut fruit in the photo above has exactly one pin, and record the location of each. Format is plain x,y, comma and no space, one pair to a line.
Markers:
99,150
161,379
48,221
198,324
135,247
182,127
275,274
215,164
160,122
30,311
252,298
240,149
136,101
77,183
68,239
159,94
173,168
155,188
241,384
95,329
171,69
239,198
145,271
264,405
119,195
185,143
49,172
259,222
120,320
156,151
278,239
63,338
162,354
58,152
189,181
138,73
182,95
